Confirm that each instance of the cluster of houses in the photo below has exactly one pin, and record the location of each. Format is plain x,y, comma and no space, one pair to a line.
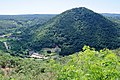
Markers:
47,50
38,56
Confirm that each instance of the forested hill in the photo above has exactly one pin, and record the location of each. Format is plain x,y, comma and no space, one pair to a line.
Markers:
75,28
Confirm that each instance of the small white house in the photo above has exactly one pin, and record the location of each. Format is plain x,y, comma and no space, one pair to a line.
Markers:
2,36
38,56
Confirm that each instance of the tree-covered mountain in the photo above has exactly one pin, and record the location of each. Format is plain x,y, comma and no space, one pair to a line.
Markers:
75,28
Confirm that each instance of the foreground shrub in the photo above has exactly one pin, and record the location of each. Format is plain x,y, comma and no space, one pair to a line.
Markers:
89,65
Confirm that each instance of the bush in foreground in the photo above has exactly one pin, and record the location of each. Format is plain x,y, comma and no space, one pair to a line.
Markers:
89,65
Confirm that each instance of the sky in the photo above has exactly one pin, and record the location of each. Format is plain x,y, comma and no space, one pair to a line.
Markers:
14,7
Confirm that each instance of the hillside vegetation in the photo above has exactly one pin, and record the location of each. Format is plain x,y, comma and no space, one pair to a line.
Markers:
87,64
75,28
13,23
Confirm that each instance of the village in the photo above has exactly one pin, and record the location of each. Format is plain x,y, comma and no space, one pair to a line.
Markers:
45,53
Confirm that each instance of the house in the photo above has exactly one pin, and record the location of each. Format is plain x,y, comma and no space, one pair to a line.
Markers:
37,55
5,35
2,36
31,52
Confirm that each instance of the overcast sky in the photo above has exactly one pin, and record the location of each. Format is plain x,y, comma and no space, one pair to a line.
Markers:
56,6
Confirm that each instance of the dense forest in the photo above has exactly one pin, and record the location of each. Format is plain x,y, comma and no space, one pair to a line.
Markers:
78,44
75,28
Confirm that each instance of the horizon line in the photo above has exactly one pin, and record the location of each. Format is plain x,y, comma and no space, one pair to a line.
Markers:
46,14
